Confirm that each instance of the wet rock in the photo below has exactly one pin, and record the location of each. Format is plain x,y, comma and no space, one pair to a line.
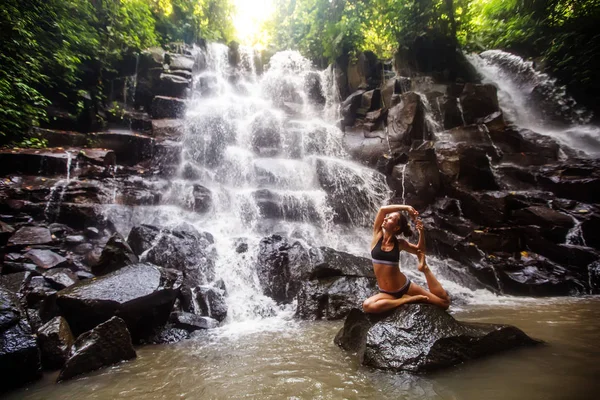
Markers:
173,86
192,322
212,302
346,192
33,162
99,157
478,101
13,267
75,239
55,339
423,338
281,266
419,180
534,275
6,232
173,128
60,278
116,254
333,298
182,62
190,252
14,282
30,235
555,225
312,84
167,334
591,231
130,148
92,232
19,354
106,344
141,294
328,262
406,121
452,115
168,107
594,277
202,199
142,237
350,107
46,259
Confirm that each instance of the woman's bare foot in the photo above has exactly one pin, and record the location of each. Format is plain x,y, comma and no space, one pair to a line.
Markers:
414,299
423,267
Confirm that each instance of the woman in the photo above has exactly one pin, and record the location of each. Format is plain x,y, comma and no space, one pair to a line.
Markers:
394,287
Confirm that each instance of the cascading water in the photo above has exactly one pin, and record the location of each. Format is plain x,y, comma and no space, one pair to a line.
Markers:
534,101
271,163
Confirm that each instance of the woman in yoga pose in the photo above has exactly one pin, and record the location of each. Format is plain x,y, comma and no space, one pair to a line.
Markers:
395,288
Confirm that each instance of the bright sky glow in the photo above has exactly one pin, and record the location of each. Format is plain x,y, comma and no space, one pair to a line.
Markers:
248,20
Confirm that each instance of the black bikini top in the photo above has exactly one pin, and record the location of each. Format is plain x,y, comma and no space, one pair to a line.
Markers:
391,257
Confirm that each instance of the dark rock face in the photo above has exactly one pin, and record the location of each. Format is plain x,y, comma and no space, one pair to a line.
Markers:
19,354
333,298
339,282
142,237
554,224
168,107
55,339
423,338
141,294
281,266
406,121
212,302
116,254
106,344
190,252
478,101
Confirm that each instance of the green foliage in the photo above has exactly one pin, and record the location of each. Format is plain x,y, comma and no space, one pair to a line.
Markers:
331,28
31,143
191,20
60,51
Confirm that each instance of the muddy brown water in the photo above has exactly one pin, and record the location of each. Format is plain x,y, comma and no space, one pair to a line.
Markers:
287,359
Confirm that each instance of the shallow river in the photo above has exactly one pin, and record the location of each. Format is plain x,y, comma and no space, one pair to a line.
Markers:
287,359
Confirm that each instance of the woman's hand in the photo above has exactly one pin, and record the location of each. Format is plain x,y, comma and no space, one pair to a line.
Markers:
419,225
414,214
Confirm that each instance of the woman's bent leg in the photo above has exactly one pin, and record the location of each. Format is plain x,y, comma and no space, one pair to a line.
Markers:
416,290
382,302
435,287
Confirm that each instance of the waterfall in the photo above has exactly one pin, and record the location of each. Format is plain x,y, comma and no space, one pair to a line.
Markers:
273,162
534,100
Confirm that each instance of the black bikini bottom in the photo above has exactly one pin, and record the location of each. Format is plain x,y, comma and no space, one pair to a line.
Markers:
400,292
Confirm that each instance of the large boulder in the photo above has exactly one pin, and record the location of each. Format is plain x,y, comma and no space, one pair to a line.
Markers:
55,339
332,298
339,282
168,107
281,266
115,255
173,86
423,338
141,294
142,237
190,252
478,101
406,120
106,344
19,354
211,301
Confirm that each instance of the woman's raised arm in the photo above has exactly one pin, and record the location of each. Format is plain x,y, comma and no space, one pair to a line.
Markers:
385,210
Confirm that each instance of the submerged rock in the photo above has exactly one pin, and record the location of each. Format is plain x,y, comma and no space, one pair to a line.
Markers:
192,322
141,294
423,338
55,339
106,344
19,354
